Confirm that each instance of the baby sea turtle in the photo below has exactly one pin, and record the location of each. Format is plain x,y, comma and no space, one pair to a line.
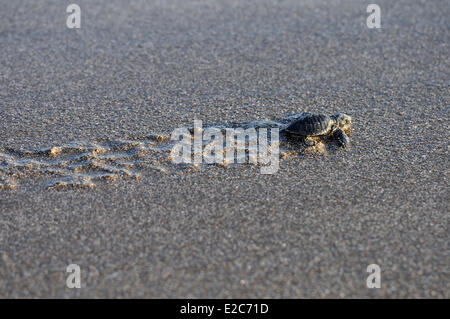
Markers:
310,125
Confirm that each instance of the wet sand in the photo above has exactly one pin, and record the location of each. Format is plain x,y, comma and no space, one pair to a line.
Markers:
310,230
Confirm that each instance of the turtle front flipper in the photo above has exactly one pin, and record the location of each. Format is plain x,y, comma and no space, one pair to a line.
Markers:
341,138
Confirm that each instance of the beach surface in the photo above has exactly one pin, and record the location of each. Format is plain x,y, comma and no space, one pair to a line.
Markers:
139,68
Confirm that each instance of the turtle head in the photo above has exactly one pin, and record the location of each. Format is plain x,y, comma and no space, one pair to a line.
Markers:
342,120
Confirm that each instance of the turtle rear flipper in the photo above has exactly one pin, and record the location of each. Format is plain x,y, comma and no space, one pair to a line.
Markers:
341,138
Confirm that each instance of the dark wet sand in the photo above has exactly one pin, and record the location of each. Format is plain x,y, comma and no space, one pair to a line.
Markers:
309,230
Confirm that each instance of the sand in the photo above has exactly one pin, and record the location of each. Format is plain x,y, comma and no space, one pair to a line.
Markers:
310,230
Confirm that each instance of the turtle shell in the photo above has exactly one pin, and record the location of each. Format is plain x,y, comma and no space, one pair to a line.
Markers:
311,125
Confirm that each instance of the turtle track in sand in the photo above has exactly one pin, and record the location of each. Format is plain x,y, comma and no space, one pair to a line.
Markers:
84,164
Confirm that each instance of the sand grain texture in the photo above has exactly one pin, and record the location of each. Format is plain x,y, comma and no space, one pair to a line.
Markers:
308,231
